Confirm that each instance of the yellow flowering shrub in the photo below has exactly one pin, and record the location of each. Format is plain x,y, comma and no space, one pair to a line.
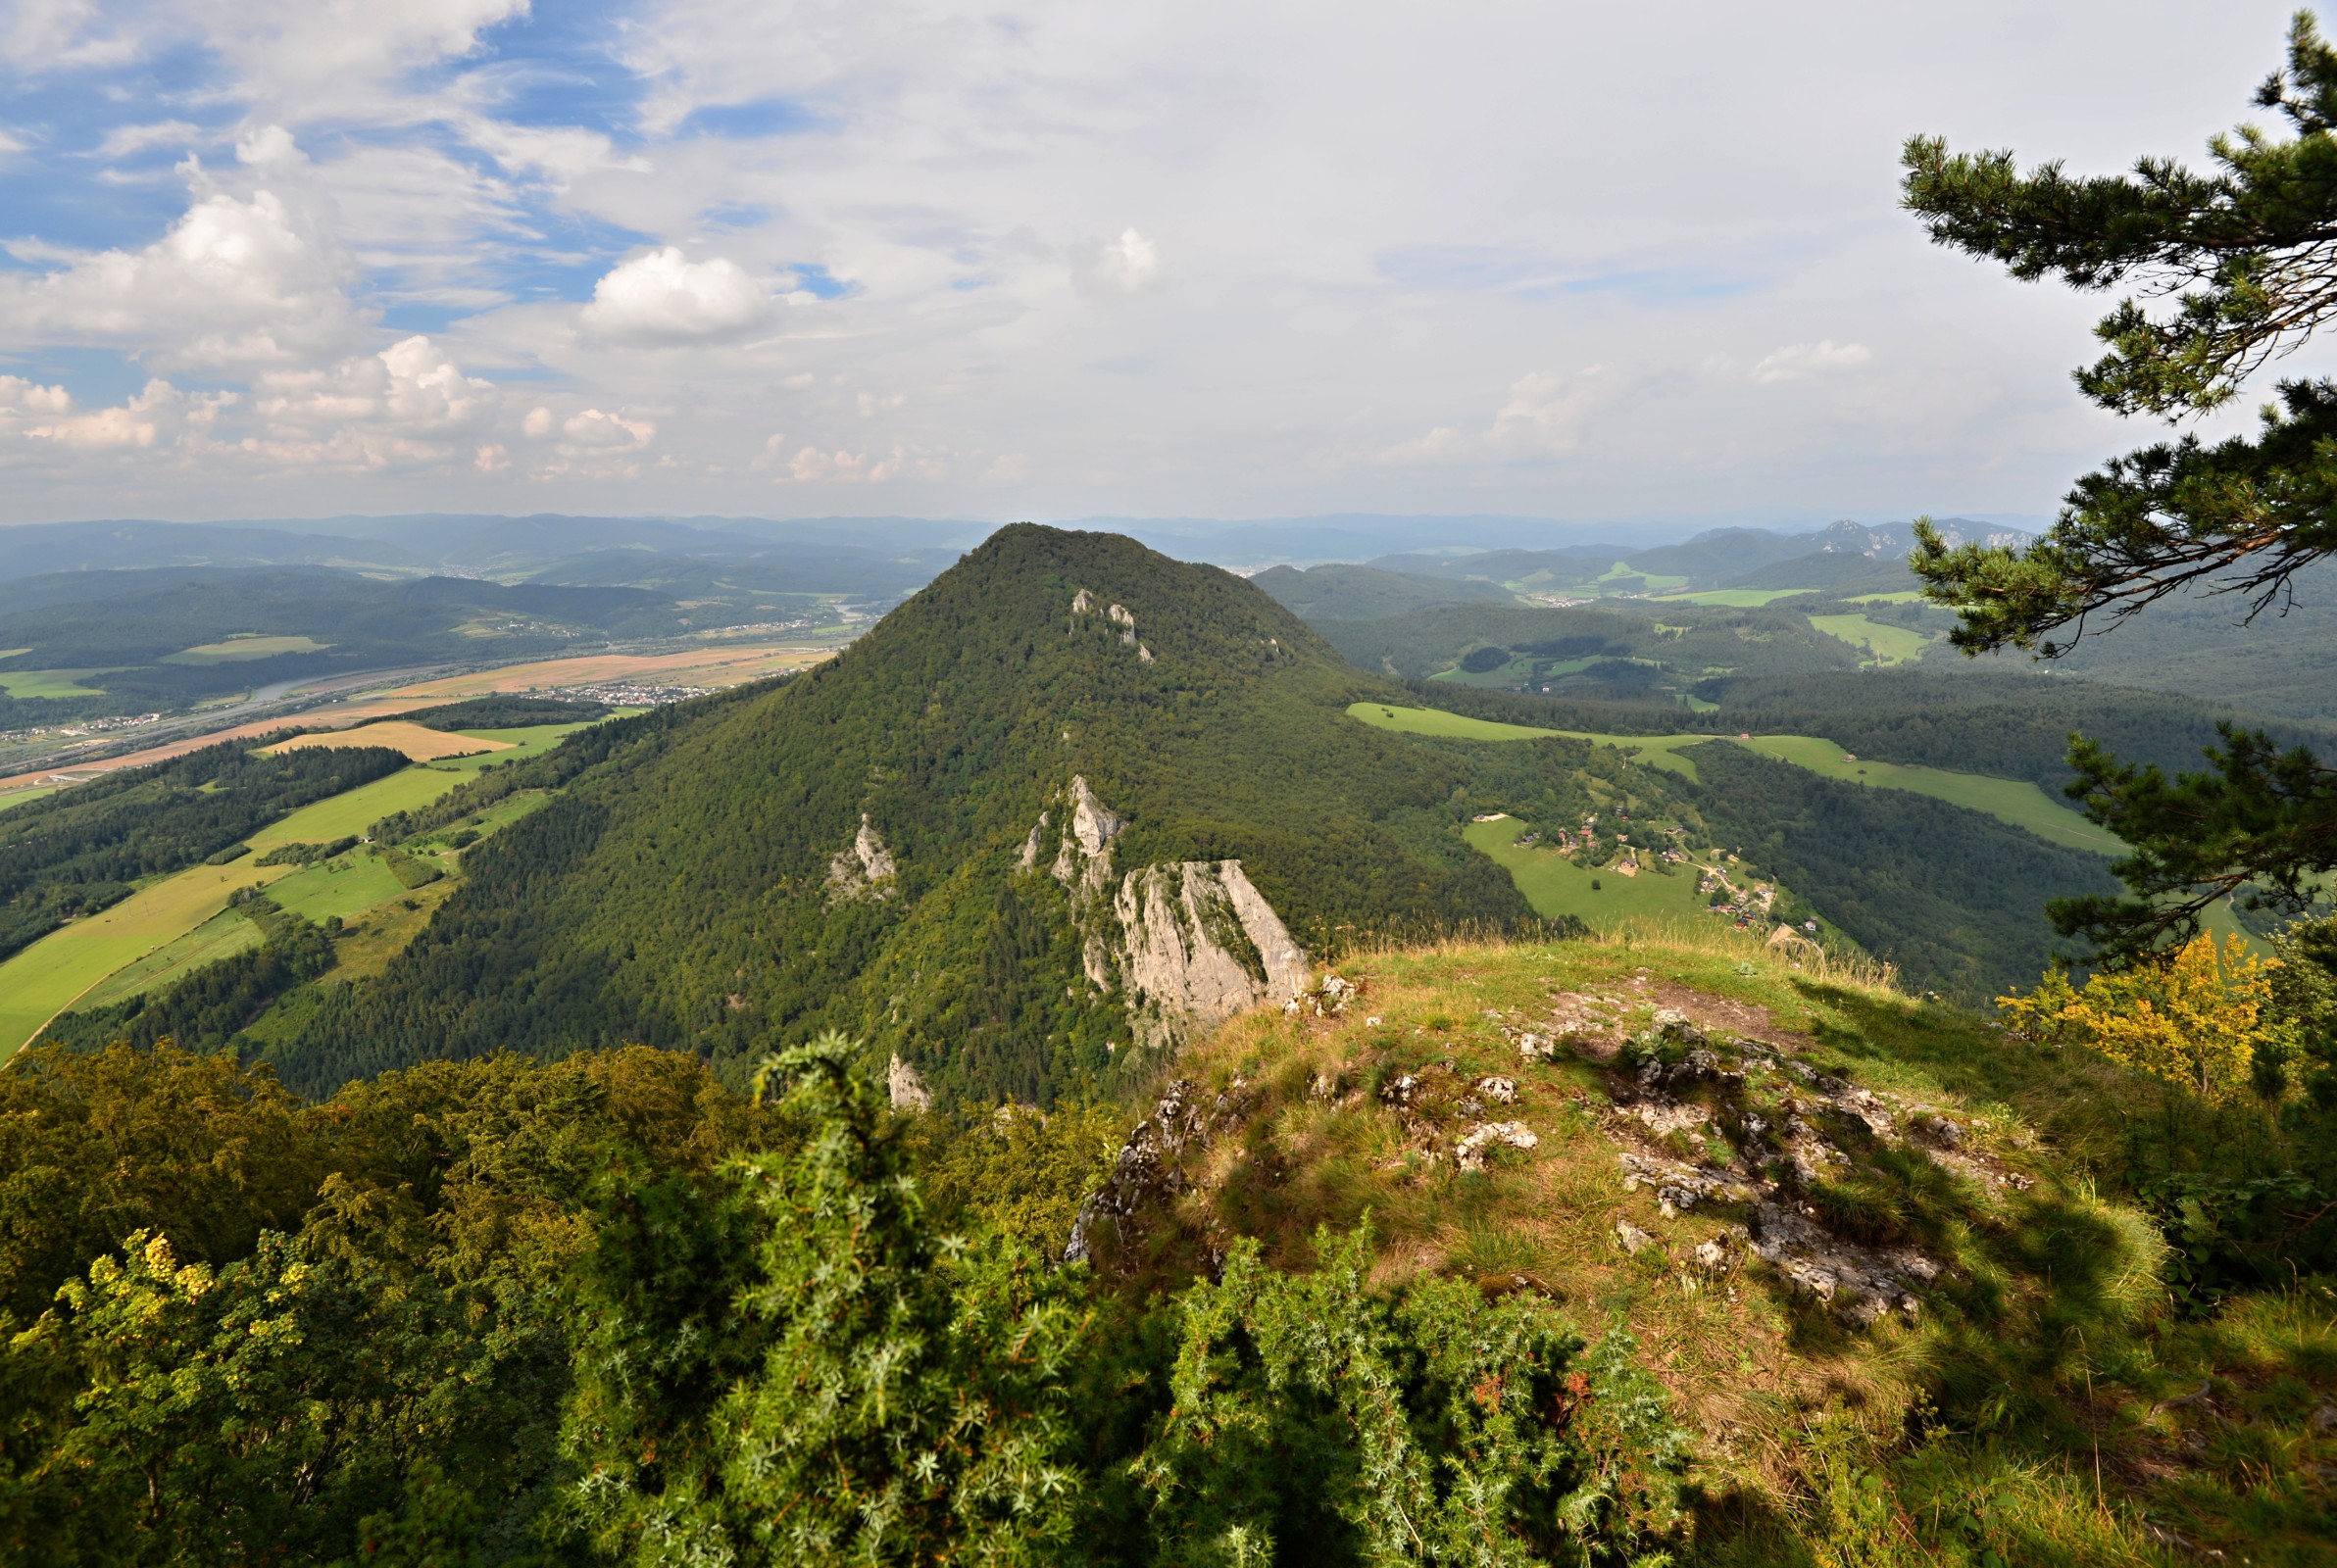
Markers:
2195,1020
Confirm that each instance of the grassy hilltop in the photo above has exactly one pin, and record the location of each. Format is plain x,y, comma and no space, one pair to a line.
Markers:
1919,1351
1658,1248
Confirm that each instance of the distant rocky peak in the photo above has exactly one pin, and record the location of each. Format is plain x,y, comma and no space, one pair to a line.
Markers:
1894,541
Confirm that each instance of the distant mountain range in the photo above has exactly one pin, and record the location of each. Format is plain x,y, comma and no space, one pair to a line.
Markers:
488,545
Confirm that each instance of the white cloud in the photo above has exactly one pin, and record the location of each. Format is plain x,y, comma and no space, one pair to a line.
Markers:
408,408
538,421
412,389
18,397
1544,417
1129,264
594,431
810,466
561,154
53,33
139,422
233,285
300,58
124,141
1798,360
664,297
268,145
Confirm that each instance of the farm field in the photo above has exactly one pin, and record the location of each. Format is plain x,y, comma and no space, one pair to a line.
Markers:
347,885
1884,645
712,667
2014,800
48,683
222,936
20,797
1556,886
1734,597
170,926
236,650
47,977
1655,750
419,742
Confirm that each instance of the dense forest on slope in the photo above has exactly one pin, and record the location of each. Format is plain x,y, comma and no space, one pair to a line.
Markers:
73,853
1615,649
687,898
2283,660
1363,593
1954,898
2014,725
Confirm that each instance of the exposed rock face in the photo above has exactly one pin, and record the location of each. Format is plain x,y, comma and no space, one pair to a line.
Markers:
1092,824
907,1086
1149,1171
1188,943
1201,944
866,870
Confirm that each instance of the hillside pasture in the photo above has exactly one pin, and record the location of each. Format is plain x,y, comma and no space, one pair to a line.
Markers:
1655,750
2014,800
236,650
49,976
50,683
1883,645
1556,887
419,742
1734,597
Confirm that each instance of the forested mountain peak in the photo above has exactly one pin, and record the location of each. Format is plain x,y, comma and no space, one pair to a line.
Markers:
908,843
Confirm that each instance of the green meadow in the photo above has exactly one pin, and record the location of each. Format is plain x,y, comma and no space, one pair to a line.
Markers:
236,650
48,683
2016,801
1883,644
1655,750
1734,597
1556,886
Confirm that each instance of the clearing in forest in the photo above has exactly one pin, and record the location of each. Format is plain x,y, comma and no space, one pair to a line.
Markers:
419,742
2015,802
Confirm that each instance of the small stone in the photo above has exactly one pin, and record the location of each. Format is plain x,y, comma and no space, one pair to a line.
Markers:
1500,1091
1712,1255
1634,1238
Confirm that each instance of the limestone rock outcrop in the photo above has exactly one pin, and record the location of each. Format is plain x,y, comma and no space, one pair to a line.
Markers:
864,869
1188,944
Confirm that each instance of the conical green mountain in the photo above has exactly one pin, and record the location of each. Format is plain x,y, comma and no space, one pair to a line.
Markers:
1070,803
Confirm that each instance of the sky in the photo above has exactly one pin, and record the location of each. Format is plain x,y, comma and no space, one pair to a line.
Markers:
284,257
